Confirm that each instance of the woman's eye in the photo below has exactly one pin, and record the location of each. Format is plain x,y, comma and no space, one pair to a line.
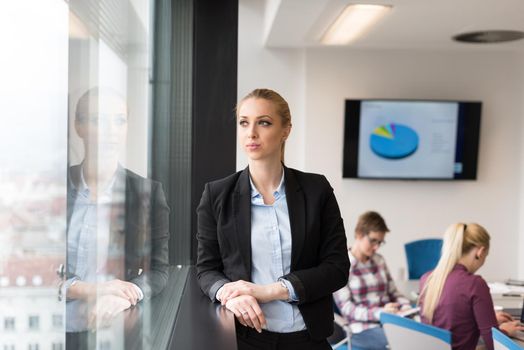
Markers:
242,123
264,123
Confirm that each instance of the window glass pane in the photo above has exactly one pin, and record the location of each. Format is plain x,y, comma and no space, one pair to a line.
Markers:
118,217
34,322
33,106
84,228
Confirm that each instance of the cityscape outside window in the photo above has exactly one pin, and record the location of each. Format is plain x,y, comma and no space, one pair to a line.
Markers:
9,323
58,321
34,322
57,346
84,228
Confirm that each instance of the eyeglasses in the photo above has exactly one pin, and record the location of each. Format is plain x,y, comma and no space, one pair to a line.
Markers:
375,242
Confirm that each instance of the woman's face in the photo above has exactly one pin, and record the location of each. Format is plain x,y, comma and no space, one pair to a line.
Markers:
260,131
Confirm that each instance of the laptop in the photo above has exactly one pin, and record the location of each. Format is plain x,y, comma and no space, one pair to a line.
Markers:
518,314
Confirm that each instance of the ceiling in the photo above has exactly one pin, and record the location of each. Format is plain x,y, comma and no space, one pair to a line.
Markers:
423,24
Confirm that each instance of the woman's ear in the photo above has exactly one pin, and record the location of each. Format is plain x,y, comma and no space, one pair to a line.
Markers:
480,252
287,131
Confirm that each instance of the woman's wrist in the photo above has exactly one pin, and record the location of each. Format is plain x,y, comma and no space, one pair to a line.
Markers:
279,291
78,290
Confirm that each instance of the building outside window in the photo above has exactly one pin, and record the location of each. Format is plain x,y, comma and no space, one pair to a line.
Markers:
57,346
57,321
9,323
34,322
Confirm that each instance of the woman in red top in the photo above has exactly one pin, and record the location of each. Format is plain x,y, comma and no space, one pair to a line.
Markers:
456,299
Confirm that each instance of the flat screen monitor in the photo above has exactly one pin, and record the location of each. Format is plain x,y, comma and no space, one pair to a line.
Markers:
411,139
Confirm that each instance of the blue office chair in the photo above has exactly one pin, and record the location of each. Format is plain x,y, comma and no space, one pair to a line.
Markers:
422,256
406,334
502,341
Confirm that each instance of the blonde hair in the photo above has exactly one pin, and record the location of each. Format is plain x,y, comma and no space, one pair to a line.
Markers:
459,240
280,104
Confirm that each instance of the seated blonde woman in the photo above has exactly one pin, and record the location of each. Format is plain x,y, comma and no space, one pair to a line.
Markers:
454,298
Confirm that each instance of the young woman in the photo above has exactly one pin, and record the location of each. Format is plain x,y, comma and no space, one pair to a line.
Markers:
454,298
271,242
370,289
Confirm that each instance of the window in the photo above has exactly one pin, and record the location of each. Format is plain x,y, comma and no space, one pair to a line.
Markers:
57,321
33,185
105,345
9,323
57,346
34,322
106,51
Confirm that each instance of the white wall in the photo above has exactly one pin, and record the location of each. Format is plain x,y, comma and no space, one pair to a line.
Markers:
316,82
520,232
279,69
417,209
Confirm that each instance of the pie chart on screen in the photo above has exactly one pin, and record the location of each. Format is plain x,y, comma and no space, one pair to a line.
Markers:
393,141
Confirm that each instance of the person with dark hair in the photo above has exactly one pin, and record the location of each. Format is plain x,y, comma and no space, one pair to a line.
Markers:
117,224
370,289
271,241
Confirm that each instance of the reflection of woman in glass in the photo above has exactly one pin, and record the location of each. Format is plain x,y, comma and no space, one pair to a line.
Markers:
456,299
271,242
117,223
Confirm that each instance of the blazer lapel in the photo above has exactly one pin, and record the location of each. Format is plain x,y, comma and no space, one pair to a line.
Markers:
297,215
242,212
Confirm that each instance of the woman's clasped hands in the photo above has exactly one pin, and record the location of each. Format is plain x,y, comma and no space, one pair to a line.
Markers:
243,299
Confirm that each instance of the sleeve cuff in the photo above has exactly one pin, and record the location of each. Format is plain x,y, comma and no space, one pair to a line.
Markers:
298,287
140,293
293,298
213,291
65,286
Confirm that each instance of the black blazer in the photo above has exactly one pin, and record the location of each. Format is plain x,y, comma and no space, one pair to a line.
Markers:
319,259
140,224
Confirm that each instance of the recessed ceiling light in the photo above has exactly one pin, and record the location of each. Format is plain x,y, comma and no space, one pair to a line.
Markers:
489,36
354,21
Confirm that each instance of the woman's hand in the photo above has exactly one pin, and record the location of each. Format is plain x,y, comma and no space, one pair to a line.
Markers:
262,293
247,311
511,327
116,287
105,309
503,317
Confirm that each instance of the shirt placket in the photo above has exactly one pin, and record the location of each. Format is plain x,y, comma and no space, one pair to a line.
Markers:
275,242
85,240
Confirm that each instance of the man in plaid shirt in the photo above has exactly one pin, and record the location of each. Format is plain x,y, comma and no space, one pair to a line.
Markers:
370,289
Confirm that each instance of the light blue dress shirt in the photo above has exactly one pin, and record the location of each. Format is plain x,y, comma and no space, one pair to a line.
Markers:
88,245
271,257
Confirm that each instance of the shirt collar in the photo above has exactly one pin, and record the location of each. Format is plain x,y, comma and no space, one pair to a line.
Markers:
82,184
281,189
459,266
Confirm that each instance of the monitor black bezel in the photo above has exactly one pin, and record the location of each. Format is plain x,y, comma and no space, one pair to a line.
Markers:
471,123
